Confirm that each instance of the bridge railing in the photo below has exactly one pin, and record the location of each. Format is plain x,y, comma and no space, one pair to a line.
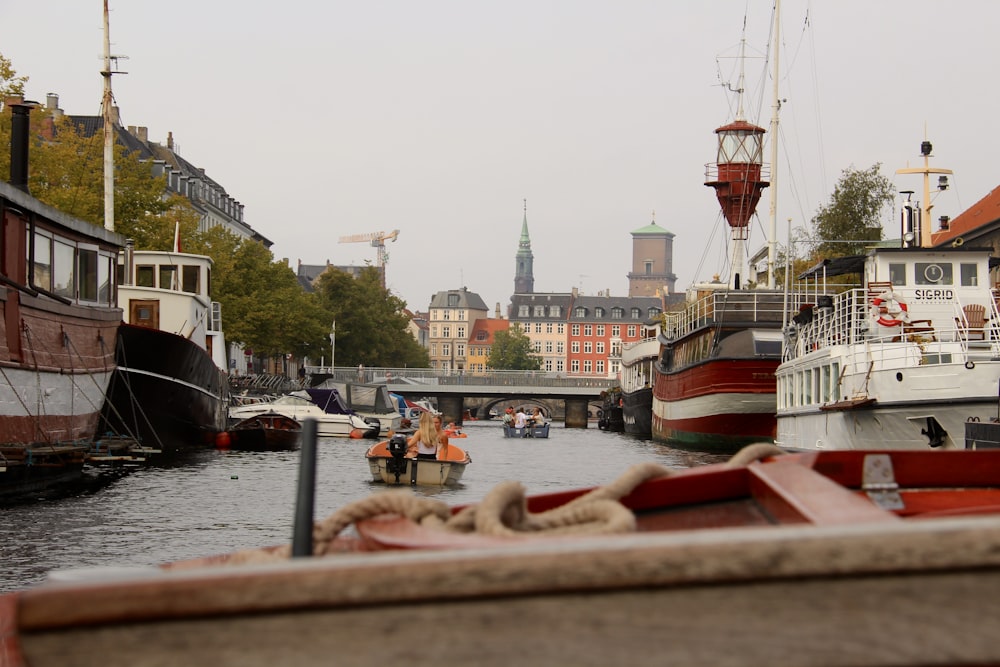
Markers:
430,376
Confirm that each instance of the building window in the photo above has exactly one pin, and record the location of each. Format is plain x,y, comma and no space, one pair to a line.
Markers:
548,365
538,327
575,330
598,312
480,335
548,347
600,331
461,332
560,329
539,311
559,366
460,350
446,332
522,310
574,366
461,315
636,313
548,327
555,311
445,349
588,347
600,347
631,331
580,311
588,330
434,349
616,330
574,347
588,367
600,367
446,315
649,267
653,312
617,313
434,331
452,300
560,347
537,346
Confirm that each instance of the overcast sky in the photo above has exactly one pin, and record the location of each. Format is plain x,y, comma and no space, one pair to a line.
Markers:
438,118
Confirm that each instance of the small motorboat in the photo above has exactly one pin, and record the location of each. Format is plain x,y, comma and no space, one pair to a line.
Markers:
334,418
531,431
822,558
388,463
267,431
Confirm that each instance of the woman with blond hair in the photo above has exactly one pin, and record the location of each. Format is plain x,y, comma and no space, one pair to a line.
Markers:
425,442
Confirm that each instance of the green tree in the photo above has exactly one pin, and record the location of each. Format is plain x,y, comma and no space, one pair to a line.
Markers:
511,351
10,83
852,219
371,324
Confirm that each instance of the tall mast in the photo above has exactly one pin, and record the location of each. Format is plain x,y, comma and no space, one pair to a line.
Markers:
108,115
775,108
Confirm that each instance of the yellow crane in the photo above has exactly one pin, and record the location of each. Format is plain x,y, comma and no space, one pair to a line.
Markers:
377,240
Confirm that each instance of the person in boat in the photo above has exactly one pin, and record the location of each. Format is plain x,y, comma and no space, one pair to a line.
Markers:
428,440
508,416
520,419
537,418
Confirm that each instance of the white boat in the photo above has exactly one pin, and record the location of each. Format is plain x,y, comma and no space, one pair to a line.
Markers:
387,463
333,418
902,363
371,402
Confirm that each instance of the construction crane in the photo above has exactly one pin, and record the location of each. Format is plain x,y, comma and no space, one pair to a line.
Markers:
377,240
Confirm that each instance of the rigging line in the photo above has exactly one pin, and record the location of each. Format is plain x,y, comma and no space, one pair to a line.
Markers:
137,409
26,332
89,372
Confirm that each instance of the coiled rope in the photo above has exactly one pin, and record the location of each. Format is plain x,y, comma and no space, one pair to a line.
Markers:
502,512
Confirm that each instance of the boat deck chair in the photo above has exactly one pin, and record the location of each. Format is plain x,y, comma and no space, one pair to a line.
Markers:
975,321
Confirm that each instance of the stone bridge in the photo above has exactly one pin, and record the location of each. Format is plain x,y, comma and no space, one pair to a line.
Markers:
450,389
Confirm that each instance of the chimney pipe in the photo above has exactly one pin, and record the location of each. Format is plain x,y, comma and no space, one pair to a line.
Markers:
19,133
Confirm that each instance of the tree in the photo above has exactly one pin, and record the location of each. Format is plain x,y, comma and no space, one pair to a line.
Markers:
511,351
371,324
852,219
10,83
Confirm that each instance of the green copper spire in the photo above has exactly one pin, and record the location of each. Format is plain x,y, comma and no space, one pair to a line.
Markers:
524,279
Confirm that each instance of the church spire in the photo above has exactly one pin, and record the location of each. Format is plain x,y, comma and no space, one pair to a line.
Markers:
524,279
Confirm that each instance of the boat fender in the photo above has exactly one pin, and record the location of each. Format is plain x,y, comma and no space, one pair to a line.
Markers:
891,309
222,440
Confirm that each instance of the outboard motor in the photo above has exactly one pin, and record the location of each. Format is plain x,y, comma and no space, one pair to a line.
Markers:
397,450
375,426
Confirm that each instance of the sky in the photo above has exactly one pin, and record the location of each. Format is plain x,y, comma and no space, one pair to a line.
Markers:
440,118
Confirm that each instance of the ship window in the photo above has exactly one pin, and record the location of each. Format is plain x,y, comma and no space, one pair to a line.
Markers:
88,274
63,266
144,276
807,386
42,262
168,277
190,276
933,273
835,377
970,275
105,271
825,388
897,274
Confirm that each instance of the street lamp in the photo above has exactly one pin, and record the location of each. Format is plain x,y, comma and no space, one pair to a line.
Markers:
333,343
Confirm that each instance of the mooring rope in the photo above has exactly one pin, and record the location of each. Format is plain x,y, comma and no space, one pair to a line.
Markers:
503,511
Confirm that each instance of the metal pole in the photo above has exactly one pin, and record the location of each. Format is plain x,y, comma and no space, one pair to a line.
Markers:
306,493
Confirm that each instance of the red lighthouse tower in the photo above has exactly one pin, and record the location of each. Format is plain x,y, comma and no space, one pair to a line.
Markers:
738,178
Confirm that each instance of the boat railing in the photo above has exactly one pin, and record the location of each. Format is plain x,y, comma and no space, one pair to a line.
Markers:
720,307
848,319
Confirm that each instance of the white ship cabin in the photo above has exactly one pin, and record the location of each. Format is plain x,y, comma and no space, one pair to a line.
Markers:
917,307
170,291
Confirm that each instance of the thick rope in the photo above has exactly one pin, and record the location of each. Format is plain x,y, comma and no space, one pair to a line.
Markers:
502,512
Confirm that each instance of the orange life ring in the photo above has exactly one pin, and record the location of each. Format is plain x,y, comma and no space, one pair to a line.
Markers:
891,309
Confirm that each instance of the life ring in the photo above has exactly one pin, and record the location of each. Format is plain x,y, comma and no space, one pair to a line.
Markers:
891,309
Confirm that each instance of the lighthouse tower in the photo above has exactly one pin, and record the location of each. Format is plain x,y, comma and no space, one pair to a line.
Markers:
738,178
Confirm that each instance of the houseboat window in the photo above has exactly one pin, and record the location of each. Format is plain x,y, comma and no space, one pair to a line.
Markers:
970,274
88,274
168,277
42,262
145,276
807,386
897,274
190,276
105,271
933,273
835,377
825,388
63,266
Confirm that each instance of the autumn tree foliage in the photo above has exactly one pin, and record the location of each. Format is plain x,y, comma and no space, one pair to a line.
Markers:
512,351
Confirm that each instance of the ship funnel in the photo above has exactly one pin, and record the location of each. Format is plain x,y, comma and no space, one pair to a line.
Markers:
19,137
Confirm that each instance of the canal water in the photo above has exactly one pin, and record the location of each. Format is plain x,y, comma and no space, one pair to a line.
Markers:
211,502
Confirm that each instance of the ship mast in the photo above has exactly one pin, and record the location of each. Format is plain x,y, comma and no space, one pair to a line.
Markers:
110,119
775,109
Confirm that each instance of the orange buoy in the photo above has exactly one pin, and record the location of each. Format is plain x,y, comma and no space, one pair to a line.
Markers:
357,434
222,440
